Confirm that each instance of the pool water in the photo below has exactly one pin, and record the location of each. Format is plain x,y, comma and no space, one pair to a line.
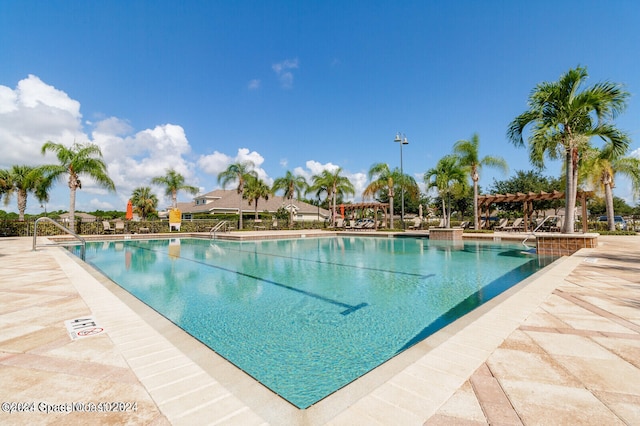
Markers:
307,316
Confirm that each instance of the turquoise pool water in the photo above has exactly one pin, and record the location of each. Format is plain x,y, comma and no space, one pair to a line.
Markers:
307,316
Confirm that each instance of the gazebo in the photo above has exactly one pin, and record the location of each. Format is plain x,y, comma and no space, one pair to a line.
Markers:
485,202
345,209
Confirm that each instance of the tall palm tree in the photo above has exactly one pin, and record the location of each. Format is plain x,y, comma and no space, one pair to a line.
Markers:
292,185
468,153
334,185
564,119
77,160
21,180
240,173
174,182
382,178
144,201
447,173
255,189
600,168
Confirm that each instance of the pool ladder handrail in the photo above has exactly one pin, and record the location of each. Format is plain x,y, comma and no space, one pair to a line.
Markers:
222,224
83,242
533,233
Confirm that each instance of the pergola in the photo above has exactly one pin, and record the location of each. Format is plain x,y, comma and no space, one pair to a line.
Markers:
485,201
346,208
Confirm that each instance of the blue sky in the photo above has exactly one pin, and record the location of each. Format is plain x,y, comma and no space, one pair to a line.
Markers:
291,85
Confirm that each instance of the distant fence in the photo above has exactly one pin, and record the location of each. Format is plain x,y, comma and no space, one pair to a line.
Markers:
14,228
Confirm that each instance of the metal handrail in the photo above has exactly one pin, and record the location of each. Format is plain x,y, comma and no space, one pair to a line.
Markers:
532,233
219,225
67,230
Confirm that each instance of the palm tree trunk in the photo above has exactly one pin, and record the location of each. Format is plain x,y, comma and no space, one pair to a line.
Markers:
72,209
475,204
608,198
240,212
335,216
444,213
570,192
391,211
22,204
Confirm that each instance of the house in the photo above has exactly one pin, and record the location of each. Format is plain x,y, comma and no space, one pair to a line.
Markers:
228,201
79,217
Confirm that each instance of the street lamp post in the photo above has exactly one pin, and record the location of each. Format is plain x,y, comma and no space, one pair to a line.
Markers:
402,139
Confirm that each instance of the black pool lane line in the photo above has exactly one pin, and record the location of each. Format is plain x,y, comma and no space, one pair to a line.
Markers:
349,308
411,274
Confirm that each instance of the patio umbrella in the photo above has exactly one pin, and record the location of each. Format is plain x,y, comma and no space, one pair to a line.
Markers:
129,214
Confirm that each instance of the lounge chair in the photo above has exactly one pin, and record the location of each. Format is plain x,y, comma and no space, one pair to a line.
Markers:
119,229
107,229
515,226
501,225
464,224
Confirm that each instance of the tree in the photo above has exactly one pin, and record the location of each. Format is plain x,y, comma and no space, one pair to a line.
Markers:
601,166
255,189
447,173
468,154
524,182
334,185
564,119
292,185
238,172
144,201
382,178
174,182
21,180
75,161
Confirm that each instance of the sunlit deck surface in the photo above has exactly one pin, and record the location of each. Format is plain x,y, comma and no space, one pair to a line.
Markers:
562,347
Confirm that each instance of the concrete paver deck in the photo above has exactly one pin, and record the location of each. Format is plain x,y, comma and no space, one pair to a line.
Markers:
561,348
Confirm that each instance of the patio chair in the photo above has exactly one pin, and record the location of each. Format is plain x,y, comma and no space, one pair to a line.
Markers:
501,225
107,229
515,226
119,229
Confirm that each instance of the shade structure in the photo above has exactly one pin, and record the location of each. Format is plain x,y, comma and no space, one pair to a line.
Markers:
129,214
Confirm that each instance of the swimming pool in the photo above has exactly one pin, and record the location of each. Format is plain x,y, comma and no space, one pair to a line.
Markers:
307,316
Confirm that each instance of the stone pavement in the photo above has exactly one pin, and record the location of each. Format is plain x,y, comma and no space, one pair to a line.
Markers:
572,358
575,360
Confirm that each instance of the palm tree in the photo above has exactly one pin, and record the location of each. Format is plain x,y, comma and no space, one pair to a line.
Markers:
382,178
443,177
601,166
334,185
22,180
144,201
77,160
238,172
468,154
174,182
292,185
255,189
564,119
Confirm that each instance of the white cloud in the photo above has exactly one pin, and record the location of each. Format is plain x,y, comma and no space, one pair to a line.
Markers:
359,180
283,71
32,114
254,84
218,162
36,112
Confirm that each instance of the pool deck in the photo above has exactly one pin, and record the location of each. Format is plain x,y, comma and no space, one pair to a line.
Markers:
563,347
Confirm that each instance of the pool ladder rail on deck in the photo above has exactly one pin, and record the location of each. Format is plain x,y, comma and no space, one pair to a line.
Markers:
533,233
224,226
81,240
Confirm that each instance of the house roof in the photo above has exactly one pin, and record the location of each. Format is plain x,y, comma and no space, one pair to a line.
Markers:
221,200
85,217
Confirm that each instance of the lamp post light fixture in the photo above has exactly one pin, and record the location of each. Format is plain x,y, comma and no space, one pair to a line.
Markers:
402,139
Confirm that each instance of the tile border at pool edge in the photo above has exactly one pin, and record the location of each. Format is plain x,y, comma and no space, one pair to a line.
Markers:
274,409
